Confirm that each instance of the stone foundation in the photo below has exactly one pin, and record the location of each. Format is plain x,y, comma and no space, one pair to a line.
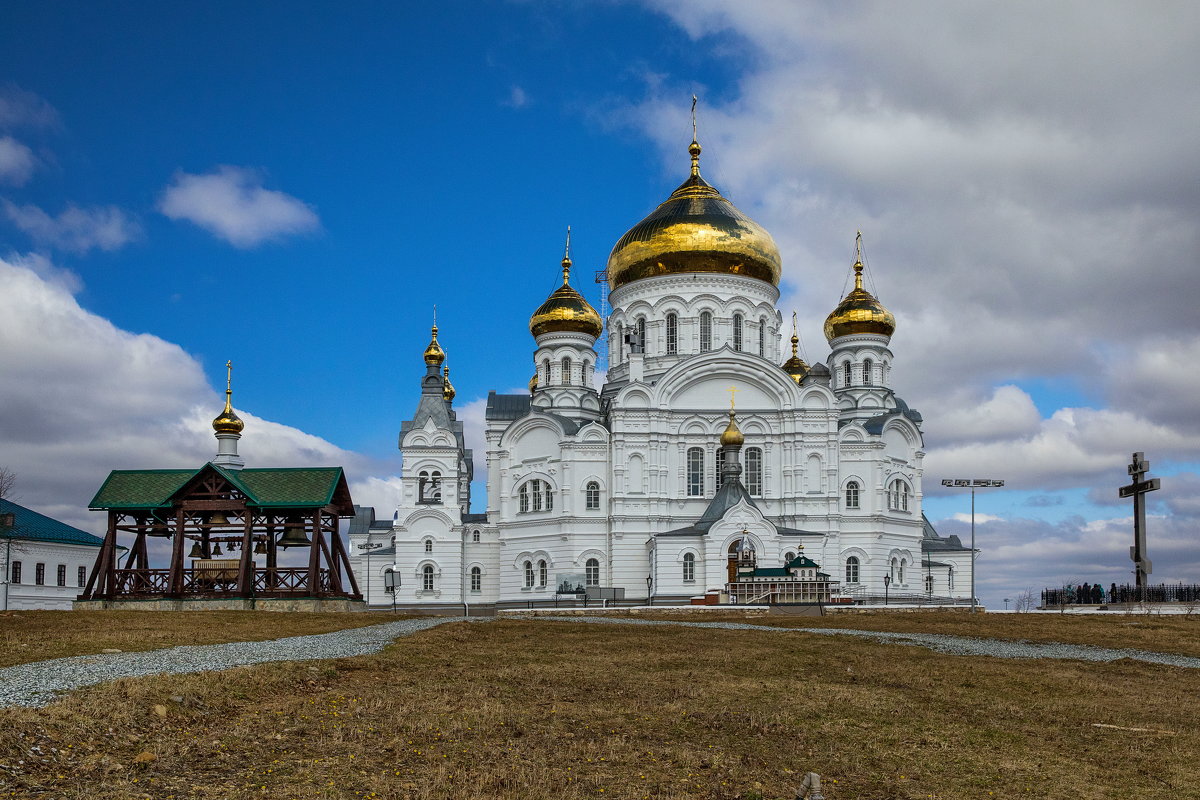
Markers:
226,604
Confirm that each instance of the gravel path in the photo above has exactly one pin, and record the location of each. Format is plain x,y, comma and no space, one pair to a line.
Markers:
942,643
36,684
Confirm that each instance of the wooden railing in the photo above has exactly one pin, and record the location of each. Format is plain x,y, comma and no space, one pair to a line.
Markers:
280,581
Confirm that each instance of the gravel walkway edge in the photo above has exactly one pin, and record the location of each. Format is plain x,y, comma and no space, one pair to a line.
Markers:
939,642
38,683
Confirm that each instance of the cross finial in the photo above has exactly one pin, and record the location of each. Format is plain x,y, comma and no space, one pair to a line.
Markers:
229,377
733,390
566,262
694,147
694,118
858,264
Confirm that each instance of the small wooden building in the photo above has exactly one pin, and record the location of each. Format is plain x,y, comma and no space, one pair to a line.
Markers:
225,528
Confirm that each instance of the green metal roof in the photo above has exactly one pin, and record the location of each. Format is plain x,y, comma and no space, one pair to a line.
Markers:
298,487
32,526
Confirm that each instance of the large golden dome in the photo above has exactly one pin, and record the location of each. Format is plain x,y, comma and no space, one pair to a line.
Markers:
695,230
565,310
859,312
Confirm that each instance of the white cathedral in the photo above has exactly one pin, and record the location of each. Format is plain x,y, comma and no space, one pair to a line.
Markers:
655,483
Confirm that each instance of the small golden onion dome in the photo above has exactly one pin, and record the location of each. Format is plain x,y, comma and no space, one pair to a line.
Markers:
694,230
732,437
533,383
795,366
227,421
447,387
434,355
565,310
859,312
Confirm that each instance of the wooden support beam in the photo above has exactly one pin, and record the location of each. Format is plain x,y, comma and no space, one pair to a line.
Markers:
175,579
335,578
246,568
314,557
95,583
343,562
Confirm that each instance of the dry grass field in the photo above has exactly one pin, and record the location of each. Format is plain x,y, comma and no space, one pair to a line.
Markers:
522,709
38,635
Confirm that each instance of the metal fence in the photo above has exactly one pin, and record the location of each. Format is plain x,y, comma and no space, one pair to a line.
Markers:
1095,594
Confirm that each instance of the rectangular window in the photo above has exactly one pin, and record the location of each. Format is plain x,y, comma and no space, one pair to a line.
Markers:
754,471
39,574
720,469
672,334
705,332
695,472
61,575
15,572
82,576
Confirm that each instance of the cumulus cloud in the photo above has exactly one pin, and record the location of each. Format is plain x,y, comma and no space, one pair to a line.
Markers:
76,230
16,161
233,205
81,396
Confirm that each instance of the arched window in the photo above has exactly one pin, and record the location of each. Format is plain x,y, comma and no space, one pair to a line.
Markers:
689,567
549,497
535,489
867,372
524,495
422,485
585,373
543,572
672,334
433,488
762,337
528,574
754,471
903,564
898,496
737,332
852,569
720,469
705,331
429,545
476,579
566,371
788,557
950,578
695,472
475,536
641,331
928,584
592,572
592,494
620,348
427,578
895,566
852,494
846,374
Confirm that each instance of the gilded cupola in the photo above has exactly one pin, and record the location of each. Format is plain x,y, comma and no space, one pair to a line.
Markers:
795,366
565,310
694,230
859,311
227,421
447,387
732,435
434,355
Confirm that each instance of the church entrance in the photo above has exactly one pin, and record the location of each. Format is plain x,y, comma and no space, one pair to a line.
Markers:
735,548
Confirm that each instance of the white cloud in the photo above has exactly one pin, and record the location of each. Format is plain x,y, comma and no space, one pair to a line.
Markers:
16,161
980,519
517,98
232,204
76,230
81,397
23,109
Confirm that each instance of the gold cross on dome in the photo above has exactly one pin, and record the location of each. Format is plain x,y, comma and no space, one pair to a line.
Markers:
228,375
733,390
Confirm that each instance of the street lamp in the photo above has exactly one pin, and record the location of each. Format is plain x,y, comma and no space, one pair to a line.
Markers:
649,584
887,581
1006,604
972,484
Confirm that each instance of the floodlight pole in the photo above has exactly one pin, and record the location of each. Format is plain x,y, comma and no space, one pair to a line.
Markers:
972,484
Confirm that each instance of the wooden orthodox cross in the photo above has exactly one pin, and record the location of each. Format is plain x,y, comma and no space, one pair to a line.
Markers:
1137,490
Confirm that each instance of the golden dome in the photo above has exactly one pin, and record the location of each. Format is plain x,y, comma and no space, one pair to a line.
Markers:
447,387
859,311
732,437
227,421
434,355
533,383
565,310
695,230
795,366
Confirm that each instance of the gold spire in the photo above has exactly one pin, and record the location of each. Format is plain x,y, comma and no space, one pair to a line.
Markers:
565,310
227,421
795,366
859,311
434,355
447,387
694,147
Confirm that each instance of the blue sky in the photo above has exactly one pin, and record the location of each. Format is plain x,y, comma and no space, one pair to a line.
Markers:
182,184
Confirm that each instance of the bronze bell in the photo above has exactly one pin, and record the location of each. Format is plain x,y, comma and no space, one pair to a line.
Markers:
158,529
218,518
196,551
260,549
293,535
217,550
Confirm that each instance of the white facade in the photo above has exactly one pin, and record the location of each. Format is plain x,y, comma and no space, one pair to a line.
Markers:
620,487
44,563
